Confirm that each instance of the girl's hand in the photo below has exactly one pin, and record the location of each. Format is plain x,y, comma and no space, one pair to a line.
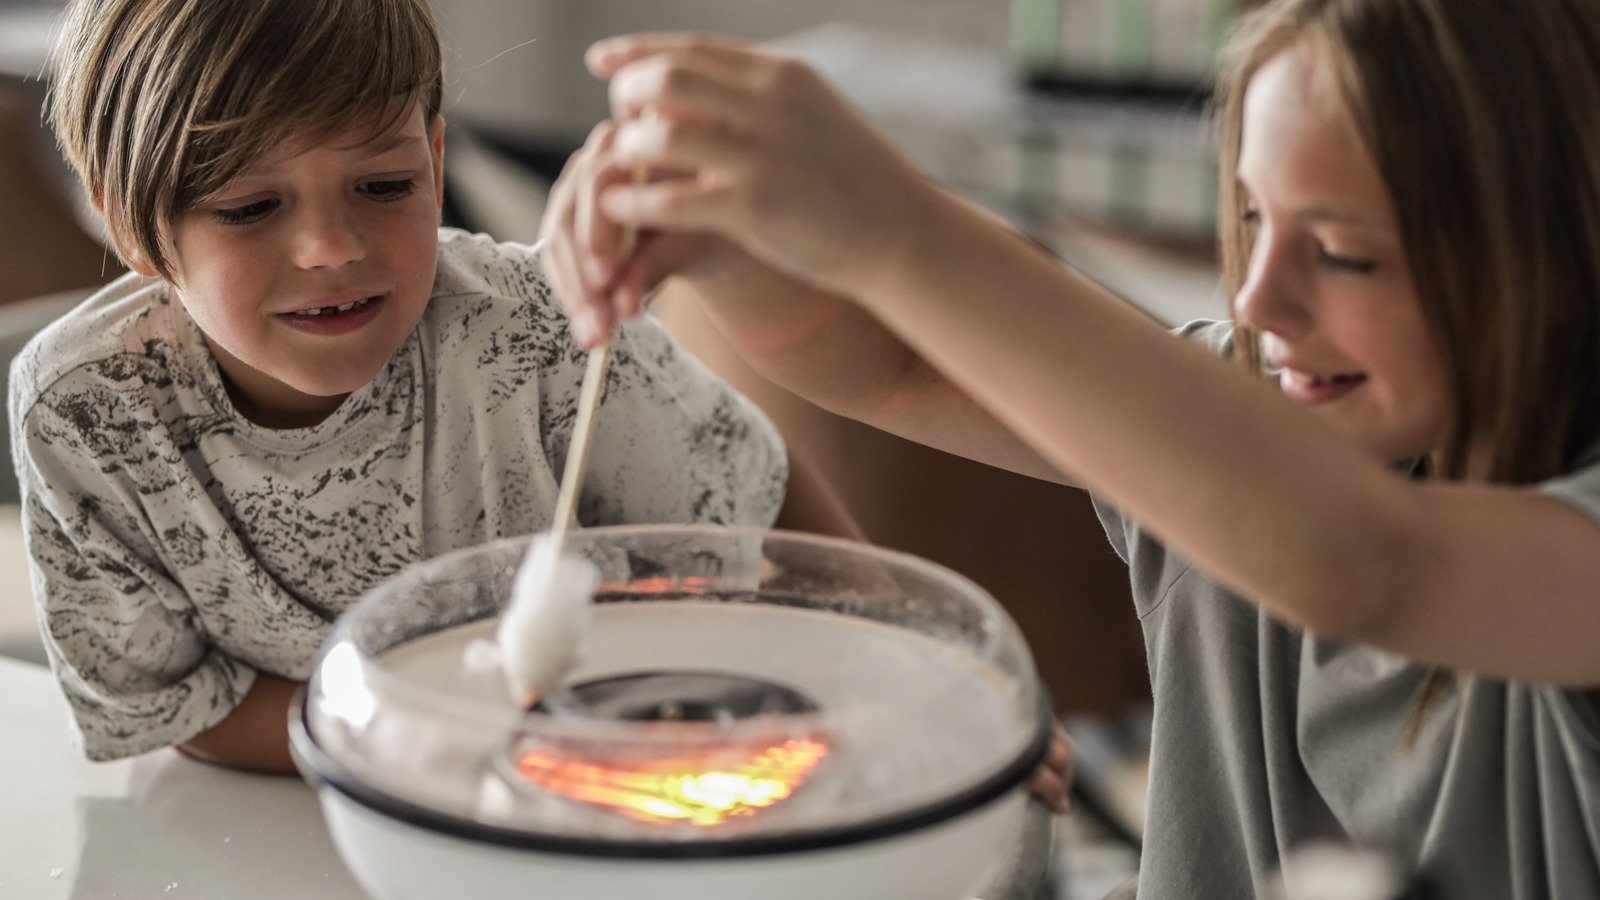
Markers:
757,149
1052,781
582,250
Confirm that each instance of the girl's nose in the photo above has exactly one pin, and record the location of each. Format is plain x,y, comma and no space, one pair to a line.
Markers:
1273,297
327,238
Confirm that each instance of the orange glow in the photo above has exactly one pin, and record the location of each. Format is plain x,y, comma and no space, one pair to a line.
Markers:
703,789
677,584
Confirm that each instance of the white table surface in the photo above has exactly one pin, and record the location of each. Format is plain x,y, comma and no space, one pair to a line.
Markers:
157,826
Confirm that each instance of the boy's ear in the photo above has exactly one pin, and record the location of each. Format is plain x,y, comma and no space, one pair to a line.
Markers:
133,258
137,263
436,144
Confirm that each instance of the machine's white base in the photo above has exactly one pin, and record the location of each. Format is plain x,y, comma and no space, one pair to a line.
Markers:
394,860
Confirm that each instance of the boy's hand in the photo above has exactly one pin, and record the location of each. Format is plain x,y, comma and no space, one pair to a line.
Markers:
757,149
1052,781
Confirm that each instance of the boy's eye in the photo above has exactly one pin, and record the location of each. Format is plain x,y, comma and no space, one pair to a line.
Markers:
250,212
389,190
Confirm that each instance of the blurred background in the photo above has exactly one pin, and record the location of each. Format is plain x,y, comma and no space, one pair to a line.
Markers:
1082,121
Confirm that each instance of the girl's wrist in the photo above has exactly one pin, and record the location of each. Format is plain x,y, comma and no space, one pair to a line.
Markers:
891,267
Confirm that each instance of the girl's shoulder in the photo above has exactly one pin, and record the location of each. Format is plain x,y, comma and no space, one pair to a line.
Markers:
1214,334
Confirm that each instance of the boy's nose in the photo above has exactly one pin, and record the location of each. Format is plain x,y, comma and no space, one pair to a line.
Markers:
326,239
1272,298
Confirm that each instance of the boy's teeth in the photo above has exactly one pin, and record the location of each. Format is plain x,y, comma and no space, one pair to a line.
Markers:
332,310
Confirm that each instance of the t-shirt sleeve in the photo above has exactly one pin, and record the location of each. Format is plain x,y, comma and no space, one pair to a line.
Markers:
672,441
122,637
1580,488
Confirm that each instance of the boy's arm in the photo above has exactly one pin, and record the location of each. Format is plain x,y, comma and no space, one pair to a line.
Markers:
137,667
255,736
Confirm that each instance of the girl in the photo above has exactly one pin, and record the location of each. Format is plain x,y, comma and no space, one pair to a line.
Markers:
1361,518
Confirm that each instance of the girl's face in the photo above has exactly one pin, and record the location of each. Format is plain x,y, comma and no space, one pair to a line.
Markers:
306,273
1328,286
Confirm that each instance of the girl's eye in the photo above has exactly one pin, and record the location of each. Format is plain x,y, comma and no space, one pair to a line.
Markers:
1346,263
1250,217
240,215
389,190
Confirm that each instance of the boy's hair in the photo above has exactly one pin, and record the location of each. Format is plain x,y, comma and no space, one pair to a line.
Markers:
1483,118
159,104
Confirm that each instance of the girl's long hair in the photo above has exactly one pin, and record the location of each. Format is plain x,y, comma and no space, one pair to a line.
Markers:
1483,117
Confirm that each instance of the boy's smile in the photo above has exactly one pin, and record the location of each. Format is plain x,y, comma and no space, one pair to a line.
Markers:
306,273
1329,287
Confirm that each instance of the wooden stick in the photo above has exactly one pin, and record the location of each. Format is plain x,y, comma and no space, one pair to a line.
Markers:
589,395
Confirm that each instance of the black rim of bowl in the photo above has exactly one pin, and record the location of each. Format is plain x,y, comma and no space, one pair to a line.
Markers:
322,770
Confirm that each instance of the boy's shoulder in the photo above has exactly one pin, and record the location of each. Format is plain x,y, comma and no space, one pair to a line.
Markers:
478,266
122,331
492,301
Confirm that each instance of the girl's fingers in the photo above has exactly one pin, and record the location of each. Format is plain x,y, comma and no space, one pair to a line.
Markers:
681,204
1052,789
684,86
598,239
565,246
1061,753
1052,781
606,56
661,254
672,145
588,312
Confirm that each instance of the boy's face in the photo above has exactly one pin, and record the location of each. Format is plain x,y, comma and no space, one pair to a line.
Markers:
345,231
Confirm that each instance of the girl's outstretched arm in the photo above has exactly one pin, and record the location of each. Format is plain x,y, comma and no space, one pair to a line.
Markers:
823,347
1259,491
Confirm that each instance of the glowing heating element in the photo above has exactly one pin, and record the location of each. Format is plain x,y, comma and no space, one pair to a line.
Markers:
697,789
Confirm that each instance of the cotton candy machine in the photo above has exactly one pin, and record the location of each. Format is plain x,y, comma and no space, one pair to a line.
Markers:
758,714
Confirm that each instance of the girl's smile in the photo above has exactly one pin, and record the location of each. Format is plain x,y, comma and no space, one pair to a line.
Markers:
309,271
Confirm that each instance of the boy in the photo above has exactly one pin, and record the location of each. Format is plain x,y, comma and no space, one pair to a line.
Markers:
304,385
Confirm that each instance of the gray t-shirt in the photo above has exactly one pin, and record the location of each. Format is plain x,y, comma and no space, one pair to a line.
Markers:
1267,737
177,548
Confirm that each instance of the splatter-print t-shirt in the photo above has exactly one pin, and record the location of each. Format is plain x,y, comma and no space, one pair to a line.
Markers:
177,548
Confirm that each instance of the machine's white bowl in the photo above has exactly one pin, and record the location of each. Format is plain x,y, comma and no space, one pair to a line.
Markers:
440,818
